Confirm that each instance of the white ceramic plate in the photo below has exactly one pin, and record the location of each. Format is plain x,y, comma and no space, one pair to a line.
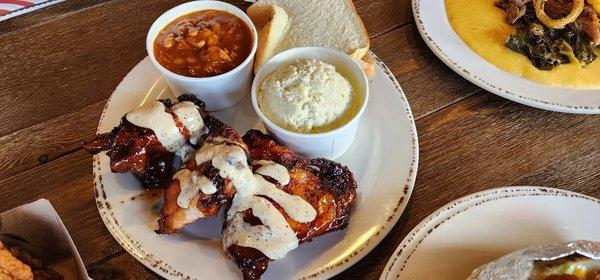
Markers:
383,158
476,229
432,22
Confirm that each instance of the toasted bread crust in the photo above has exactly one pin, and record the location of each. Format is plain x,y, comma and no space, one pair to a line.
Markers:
272,21
360,53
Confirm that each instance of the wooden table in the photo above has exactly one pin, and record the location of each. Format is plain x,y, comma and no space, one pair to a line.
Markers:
60,65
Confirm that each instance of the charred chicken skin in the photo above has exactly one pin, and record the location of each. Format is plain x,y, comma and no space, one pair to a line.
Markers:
328,186
173,216
272,194
136,149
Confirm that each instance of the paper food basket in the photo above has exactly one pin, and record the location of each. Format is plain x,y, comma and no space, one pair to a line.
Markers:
37,227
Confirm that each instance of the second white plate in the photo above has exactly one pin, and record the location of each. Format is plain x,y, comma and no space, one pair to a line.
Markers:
432,22
476,229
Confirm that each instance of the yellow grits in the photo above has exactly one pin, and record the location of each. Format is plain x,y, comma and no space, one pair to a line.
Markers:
482,26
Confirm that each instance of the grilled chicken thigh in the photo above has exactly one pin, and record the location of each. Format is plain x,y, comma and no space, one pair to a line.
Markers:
175,216
327,185
227,168
136,149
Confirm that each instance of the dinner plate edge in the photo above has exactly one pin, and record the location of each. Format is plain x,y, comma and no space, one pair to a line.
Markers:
486,85
464,201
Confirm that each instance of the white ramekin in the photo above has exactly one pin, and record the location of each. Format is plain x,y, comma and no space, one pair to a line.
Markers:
331,144
218,92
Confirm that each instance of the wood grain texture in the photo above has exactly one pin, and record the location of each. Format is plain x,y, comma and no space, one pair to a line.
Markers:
427,83
67,184
54,12
121,267
48,140
55,107
112,45
378,16
73,62
383,16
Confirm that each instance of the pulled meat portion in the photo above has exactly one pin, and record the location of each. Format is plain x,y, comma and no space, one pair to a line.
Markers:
558,8
547,47
515,9
587,22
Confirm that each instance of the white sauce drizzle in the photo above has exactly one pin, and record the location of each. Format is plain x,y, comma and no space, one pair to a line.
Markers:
190,117
153,116
185,152
190,185
273,170
191,215
231,162
206,185
274,238
296,207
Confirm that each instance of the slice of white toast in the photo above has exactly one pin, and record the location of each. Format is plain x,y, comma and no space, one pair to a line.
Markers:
286,24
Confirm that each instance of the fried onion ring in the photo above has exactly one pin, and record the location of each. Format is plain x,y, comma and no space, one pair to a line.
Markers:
558,23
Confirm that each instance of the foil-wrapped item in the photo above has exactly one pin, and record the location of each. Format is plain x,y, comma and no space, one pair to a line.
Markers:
520,264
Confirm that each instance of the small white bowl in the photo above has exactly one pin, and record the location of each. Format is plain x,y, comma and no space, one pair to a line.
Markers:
331,144
218,92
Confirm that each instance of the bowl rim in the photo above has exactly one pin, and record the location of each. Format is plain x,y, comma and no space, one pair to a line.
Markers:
328,52
195,6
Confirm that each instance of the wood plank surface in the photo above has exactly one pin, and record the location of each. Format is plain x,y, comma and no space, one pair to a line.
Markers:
67,184
122,266
383,16
48,140
69,91
55,85
378,16
54,12
73,62
112,43
428,84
